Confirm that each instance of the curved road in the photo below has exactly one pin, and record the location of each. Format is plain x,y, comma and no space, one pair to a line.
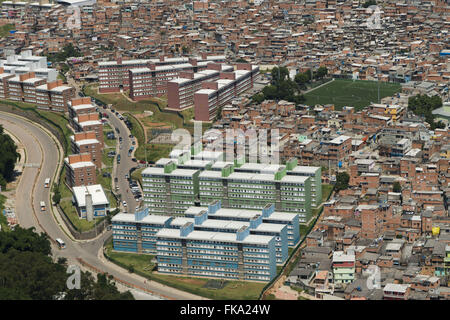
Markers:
43,158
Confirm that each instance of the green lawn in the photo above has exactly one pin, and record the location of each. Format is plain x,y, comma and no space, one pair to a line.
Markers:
156,105
326,191
233,290
109,143
154,152
358,94
107,160
137,175
62,122
106,183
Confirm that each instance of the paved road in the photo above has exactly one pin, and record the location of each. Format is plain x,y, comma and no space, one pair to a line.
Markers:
123,168
38,144
119,170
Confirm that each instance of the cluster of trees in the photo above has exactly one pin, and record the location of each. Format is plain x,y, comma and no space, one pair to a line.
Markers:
68,51
281,88
8,158
28,272
423,105
342,180
306,77
369,3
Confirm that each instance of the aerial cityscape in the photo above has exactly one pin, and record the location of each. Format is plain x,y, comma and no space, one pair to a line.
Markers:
225,150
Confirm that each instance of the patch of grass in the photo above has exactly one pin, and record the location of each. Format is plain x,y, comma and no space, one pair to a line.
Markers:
109,143
326,191
140,262
358,94
106,183
156,105
154,152
62,121
137,175
108,161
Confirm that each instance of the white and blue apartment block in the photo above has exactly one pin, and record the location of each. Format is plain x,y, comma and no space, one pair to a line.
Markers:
255,225
214,248
225,255
268,216
136,232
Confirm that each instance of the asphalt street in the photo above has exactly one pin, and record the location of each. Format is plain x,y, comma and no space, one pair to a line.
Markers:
41,150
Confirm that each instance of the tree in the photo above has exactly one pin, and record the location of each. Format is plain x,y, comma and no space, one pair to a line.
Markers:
301,79
321,72
279,74
27,272
241,60
342,180
369,3
258,98
423,105
56,197
8,158
397,187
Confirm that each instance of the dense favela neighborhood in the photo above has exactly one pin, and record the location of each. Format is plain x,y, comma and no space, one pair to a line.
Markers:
225,150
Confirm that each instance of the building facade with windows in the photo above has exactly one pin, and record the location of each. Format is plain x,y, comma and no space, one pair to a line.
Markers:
216,94
169,190
234,256
115,76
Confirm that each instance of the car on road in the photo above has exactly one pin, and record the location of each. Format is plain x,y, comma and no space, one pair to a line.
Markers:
134,159
131,136
117,130
126,176
124,203
118,158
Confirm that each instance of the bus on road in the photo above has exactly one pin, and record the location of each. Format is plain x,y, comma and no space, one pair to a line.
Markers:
47,183
42,206
61,244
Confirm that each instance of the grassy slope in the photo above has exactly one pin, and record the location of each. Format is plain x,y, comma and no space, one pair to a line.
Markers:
357,93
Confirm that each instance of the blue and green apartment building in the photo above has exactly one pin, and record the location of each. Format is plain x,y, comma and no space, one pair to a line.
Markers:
170,190
253,190
224,255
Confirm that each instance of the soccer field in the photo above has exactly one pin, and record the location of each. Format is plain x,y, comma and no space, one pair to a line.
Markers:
358,93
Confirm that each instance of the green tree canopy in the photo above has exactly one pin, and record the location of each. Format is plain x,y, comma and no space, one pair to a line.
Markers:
342,180
8,158
423,105
27,272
